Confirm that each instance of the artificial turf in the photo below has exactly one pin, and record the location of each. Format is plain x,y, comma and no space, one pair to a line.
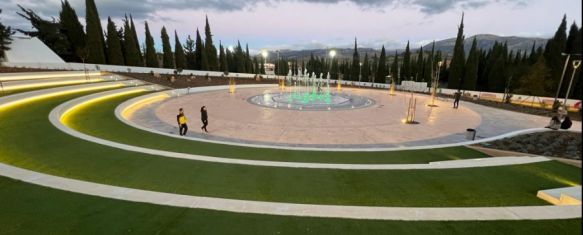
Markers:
99,120
32,209
30,141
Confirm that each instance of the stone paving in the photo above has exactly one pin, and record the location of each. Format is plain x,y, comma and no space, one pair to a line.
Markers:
233,119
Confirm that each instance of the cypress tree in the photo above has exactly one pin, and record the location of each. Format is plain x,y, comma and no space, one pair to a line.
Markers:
406,67
248,62
211,50
419,69
231,63
535,79
365,71
151,57
136,42
179,56
552,53
382,67
167,57
72,28
131,55
114,53
5,39
239,59
190,53
223,59
95,41
395,68
456,68
262,68
201,59
430,65
471,68
355,69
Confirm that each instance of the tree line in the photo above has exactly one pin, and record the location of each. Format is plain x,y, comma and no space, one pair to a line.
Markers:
120,45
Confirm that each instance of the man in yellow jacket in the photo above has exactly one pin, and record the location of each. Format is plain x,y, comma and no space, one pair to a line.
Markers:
181,119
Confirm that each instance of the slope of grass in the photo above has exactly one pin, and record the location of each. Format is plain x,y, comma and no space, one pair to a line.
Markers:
31,142
31,209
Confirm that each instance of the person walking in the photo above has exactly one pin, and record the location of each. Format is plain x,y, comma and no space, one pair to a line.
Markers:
204,118
456,102
181,119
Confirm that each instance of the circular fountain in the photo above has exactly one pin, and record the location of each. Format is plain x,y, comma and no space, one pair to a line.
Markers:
309,94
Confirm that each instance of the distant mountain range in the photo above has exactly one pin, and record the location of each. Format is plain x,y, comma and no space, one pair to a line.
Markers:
485,41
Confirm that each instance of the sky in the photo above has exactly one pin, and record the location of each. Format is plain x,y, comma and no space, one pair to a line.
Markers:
311,24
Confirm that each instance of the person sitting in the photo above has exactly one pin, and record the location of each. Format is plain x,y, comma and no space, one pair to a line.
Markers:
566,124
555,123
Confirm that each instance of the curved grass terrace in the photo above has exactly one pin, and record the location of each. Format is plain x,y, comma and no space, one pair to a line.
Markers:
64,155
39,210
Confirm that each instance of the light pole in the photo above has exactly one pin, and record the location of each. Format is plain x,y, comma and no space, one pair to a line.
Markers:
359,73
265,54
576,64
562,75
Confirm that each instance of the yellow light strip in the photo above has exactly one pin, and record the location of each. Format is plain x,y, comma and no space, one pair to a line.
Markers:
67,113
128,111
51,75
49,95
44,84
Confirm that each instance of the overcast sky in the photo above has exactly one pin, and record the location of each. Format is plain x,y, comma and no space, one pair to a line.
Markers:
306,24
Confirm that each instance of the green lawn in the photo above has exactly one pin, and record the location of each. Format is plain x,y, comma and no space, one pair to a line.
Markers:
31,142
31,209
99,120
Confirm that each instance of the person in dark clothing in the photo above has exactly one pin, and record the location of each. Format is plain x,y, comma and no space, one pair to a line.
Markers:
566,124
204,118
181,119
456,101
555,123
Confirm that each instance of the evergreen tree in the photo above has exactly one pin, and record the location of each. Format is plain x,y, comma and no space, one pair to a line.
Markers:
131,55
262,68
179,56
406,67
167,57
136,42
49,32
365,69
223,59
429,66
456,68
248,62
471,68
497,76
355,70
95,41
190,53
534,81
151,57
419,69
114,53
240,60
395,68
211,50
5,39
381,68
201,58
72,28
552,53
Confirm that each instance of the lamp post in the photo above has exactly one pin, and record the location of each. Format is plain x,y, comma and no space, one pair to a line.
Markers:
332,54
359,73
265,54
576,64
434,84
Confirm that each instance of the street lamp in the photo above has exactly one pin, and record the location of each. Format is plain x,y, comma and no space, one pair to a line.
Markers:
359,73
576,64
562,76
265,54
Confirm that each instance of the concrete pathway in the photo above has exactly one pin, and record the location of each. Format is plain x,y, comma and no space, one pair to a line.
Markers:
494,124
291,209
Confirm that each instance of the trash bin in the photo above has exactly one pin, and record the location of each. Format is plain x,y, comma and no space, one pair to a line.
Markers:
470,134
